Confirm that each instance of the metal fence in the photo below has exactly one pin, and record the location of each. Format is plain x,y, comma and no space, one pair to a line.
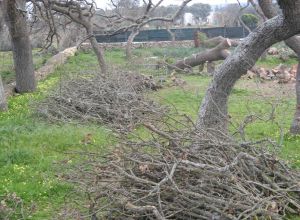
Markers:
180,34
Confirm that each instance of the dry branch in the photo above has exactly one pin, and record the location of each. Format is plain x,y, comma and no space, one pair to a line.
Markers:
215,41
220,52
188,174
117,100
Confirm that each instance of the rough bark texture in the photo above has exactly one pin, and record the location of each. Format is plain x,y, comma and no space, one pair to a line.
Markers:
97,50
3,103
84,18
295,127
22,51
212,42
130,40
213,111
220,52
1,19
294,43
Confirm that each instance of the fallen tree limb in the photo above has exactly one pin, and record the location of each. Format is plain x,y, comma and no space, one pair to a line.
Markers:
220,52
215,41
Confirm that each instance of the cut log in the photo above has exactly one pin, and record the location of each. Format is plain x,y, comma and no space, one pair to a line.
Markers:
219,52
213,42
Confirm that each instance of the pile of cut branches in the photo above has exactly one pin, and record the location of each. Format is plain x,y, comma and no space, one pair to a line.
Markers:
117,100
188,174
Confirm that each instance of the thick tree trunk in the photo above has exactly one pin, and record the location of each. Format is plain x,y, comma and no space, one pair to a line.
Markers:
294,43
100,55
130,40
295,127
97,50
3,103
220,52
22,51
213,111
213,42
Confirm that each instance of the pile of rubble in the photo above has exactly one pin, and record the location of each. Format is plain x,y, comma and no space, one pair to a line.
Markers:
282,53
282,73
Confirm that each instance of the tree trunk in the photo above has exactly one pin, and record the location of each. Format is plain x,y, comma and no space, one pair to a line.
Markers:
220,52
295,127
130,40
3,103
97,50
22,51
213,111
211,67
294,43
213,42
172,35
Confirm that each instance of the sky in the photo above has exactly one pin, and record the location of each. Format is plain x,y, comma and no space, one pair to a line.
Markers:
103,3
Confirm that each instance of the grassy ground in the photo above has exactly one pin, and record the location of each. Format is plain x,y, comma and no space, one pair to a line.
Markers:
7,68
33,152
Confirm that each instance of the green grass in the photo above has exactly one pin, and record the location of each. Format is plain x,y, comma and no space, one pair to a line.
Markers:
272,62
34,152
242,103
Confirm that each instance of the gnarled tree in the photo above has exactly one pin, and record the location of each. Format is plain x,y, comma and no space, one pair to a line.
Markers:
78,11
214,108
15,18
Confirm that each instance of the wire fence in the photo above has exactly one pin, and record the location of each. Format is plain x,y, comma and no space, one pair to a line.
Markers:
180,34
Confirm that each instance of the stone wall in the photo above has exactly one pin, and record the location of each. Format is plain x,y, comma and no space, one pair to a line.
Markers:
162,44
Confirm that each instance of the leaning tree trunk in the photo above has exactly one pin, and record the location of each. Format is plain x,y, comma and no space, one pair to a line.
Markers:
22,51
294,43
220,52
3,103
130,40
97,50
295,127
214,108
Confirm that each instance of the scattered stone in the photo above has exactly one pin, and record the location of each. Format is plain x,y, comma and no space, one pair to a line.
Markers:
263,74
273,51
250,74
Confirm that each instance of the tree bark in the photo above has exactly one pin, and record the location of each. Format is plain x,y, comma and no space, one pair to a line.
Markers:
295,127
84,18
294,43
130,40
220,52
3,103
213,111
22,51
172,35
212,42
98,51
211,67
